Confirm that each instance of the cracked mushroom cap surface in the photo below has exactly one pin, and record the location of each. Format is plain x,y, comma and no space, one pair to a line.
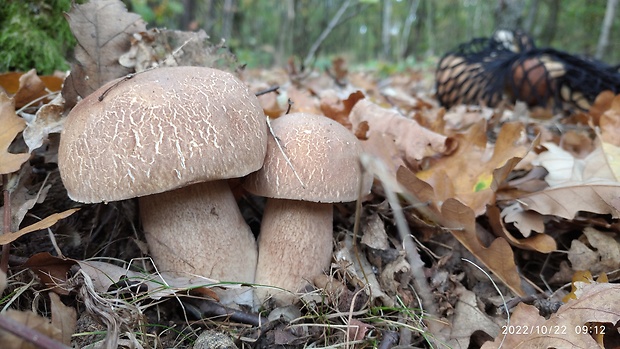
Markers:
324,154
161,130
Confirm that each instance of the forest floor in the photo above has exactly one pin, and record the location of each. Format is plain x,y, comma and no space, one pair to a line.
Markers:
474,213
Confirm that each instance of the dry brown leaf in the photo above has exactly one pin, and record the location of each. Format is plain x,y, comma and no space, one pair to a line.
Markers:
598,302
601,104
339,109
42,224
374,234
609,122
566,201
412,141
64,318
303,101
468,318
103,29
11,126
460,220
525,221
159,285
31,87
48,119
51,270
31,321
472,173
600,252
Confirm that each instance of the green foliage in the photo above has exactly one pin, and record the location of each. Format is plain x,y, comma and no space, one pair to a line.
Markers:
158,13
34,34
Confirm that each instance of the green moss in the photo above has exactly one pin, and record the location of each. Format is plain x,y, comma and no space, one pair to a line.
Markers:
34,34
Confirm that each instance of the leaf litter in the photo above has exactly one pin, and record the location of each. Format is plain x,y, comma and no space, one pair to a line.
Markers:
497,186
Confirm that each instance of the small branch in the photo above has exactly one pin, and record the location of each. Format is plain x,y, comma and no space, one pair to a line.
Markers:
4,263
332,24
273,88
390,339
28,334
210,309
288,161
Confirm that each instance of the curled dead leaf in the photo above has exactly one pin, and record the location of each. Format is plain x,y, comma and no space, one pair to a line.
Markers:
11,126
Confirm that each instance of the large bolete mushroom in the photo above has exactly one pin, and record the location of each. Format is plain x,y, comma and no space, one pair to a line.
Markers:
295,241
172,136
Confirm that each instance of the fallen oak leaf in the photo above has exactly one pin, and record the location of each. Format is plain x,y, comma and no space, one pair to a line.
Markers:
105,275
460,220
566,201
51,270
101,42
48,119
412,140
567,328
475,170
498,257
538,242
64,318
11,126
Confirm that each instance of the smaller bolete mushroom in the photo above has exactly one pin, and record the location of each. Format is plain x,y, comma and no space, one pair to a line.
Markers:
172,137
295,241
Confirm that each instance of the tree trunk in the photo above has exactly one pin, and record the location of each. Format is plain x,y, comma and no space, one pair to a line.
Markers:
228,18
332,24
530,18
188,14
551,25
404,38
285,37
430,29
508,14
386,29
603,40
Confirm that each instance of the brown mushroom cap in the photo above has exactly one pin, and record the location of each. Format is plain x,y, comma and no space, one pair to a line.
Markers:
324,154
161,130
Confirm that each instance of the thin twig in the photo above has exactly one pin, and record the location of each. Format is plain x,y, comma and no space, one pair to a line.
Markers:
28,334
286,158
210,308
4,263
273,88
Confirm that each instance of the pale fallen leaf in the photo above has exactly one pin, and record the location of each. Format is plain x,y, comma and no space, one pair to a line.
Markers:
566,201
468,318
158,285
11,126
374,234
64,318
42,224
526,221
31,321
600,254
101,41
48,119
413,141
537,242
598,302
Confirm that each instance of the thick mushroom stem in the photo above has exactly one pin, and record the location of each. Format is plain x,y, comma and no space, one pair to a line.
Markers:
199,229
294,246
